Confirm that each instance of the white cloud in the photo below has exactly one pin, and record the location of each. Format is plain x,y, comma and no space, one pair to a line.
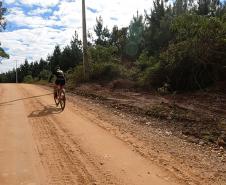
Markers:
18,17
33,44
40,37
9,1
39,11
42,3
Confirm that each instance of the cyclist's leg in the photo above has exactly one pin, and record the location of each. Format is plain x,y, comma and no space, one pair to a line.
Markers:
55,88
62,94
62,90
62,84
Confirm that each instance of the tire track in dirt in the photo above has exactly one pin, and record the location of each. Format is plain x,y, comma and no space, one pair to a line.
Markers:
62,158
182,175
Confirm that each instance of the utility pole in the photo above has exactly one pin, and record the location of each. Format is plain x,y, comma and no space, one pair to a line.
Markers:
16,73
85,46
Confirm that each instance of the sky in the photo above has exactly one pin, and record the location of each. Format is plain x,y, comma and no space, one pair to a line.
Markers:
35,27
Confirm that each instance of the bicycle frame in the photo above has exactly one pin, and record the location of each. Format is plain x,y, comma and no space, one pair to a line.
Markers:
59,97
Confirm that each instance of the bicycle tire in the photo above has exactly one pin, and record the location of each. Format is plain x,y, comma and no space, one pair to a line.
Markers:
62,100
56,100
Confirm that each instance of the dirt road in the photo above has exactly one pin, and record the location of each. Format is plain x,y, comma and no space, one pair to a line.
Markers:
39,145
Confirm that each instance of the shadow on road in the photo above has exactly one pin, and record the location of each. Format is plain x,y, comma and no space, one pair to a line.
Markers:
20,99
47,110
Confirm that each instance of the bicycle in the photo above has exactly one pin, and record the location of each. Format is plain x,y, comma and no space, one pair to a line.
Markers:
60,97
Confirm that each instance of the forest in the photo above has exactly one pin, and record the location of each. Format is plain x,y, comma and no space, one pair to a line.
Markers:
181,45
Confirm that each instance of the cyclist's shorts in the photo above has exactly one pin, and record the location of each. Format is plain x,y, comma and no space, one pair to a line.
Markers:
60,82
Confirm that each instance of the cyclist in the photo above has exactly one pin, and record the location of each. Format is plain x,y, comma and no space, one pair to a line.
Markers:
60,79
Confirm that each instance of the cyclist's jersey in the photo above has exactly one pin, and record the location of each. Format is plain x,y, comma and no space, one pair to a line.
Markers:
59,74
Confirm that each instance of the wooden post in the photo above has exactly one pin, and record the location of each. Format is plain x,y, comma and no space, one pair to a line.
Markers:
85,46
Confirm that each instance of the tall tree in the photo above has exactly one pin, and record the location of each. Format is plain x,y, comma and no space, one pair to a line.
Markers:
2,18
55,58
208,7
71,55
102,33
3,54
118,38
181,7
76,47
135,41
157,32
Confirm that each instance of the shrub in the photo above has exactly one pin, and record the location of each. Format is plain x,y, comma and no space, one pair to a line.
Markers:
105,71
146,61
152,77
151,72
28,79
184,71
101,54
195,59
75,76
44,74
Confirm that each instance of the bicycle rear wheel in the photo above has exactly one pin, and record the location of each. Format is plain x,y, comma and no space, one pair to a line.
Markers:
62,100
56,99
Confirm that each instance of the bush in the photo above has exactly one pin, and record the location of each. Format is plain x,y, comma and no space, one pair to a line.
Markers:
195,59
152,77
185,72
75,76
44,75
105,72
151,73
28,79
101,54
146,61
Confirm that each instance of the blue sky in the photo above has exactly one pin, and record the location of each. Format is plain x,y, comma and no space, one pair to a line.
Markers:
34,27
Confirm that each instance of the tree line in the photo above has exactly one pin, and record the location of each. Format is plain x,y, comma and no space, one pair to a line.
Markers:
181,44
